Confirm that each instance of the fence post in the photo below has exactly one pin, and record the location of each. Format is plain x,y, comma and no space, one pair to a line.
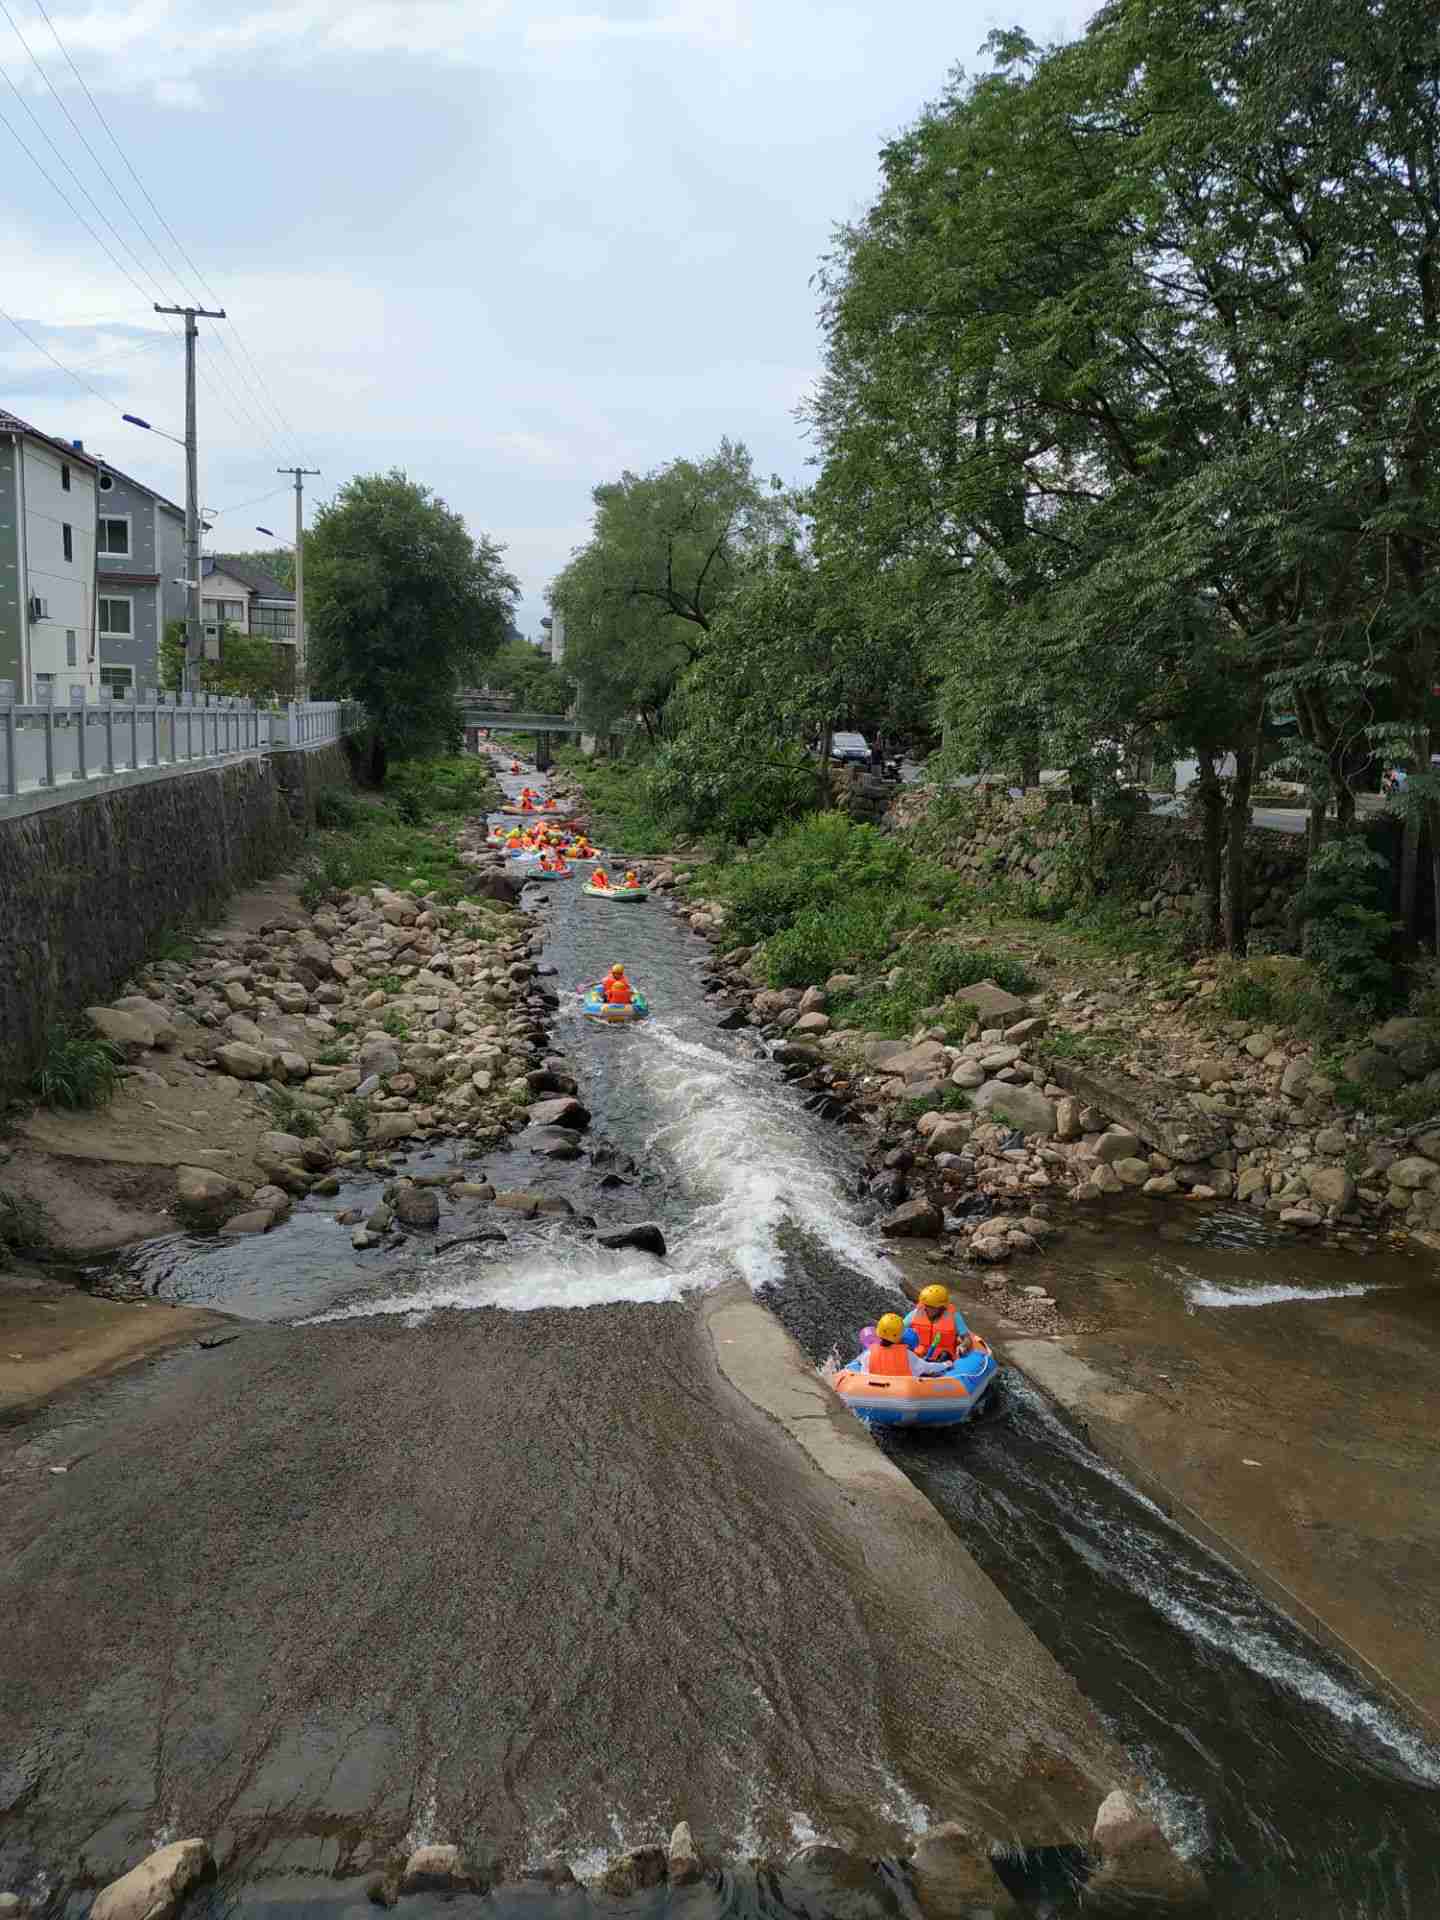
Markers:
7,717
77,717
152,699
132,697
49,780
107,707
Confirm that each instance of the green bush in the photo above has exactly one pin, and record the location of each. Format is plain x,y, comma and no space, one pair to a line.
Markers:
420,790
79,1070
933,976
1349,939
337,807
289,1114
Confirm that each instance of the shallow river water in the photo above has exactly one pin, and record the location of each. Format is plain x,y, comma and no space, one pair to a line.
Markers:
1297,1790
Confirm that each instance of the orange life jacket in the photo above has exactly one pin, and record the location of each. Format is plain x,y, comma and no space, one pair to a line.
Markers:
618,993
939,1339
892,1359
600,879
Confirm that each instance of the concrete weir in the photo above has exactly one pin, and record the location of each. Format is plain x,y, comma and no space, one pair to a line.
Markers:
1013,1723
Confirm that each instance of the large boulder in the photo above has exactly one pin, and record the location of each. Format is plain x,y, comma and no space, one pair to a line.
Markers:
1138,1870
1332,1187
993,1004
566,1111
1022,1107
955,1877
418,1207
634,1872
967,1075
442,1869
917,1219
202,1194
1118,1144
1374,1066
645,1236
154,1889
682,1859
244,1062
1414,1043
948,1132
1412,1173
163,1030
129,1035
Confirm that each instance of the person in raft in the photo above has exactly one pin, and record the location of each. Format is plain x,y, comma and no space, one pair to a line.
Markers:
934,1330
600,879
891,1355
552,863
616,989
632,879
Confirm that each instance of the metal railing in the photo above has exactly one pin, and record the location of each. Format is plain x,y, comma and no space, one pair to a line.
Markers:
54,744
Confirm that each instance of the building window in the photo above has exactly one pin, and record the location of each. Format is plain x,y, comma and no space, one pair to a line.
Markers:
64,477
67,540
117,679
114,536
116,621
276,623
72,657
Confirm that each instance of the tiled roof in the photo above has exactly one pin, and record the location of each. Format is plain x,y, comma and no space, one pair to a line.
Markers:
12,423
265,584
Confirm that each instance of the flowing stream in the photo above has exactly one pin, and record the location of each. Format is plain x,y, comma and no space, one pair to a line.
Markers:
1297,1790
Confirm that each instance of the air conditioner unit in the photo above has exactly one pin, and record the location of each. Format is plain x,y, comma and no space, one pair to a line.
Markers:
39,609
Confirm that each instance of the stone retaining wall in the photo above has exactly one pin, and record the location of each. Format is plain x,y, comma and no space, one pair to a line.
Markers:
1044,840
86,888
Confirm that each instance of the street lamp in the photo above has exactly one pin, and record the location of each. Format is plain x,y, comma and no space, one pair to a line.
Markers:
136,421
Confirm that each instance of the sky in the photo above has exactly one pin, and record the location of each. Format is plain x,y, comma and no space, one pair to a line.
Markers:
513,247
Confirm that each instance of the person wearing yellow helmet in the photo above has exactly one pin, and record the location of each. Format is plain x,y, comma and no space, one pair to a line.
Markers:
934,1329
617,989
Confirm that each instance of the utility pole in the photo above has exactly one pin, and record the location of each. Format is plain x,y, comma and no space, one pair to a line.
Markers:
192,492
302,665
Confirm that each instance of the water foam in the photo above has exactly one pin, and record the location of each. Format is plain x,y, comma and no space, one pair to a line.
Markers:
746,1159
1209,1293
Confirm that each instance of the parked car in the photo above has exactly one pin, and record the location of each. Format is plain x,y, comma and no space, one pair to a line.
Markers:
849,749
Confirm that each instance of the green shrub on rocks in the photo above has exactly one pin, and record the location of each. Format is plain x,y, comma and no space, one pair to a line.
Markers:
933,975
290,1115
1349,939
79,1070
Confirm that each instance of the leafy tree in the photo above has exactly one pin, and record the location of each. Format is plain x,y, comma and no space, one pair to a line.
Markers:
250,666
1134,362
538,685
667,550
404,606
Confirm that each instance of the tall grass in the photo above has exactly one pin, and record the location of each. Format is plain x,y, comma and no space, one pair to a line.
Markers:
79,1069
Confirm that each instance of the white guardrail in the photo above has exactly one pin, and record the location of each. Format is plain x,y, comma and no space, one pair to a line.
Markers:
59,744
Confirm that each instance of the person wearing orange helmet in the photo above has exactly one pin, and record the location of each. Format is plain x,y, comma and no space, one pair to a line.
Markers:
934,1329
616,989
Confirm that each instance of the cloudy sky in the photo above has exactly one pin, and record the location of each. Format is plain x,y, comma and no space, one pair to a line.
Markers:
512,246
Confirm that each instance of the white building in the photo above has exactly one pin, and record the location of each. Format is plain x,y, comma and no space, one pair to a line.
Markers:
48,602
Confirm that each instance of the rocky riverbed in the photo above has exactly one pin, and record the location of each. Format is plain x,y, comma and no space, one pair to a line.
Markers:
985,1117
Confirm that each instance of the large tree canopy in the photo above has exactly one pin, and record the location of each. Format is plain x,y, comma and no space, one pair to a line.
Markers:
1134,362
403,606
667,551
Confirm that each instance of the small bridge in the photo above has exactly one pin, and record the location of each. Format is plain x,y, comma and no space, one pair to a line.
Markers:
546,727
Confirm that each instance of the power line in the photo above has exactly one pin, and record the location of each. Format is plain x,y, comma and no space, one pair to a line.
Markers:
104,174
260,388
98,238
70,371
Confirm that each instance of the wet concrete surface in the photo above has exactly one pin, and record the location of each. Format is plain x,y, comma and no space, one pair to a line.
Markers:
1287,1396
527,1580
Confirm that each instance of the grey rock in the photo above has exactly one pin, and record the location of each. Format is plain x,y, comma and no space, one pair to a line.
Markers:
634,1872
1375,1065
127,1032
243,1061
154,1889
1130,1172
1117,1144
1023,1107
1413,1173
253,1220
1332,1187
442,1869
968,1074
645,1237
566,1111
916,1220
202,1193
1296,1077
163,1031
418,1207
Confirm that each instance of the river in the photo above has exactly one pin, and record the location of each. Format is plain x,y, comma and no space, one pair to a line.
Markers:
1297,1791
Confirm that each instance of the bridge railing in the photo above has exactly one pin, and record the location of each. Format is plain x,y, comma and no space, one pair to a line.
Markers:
54,744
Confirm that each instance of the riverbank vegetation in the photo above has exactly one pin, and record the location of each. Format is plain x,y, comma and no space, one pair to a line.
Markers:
1126,443
405,839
